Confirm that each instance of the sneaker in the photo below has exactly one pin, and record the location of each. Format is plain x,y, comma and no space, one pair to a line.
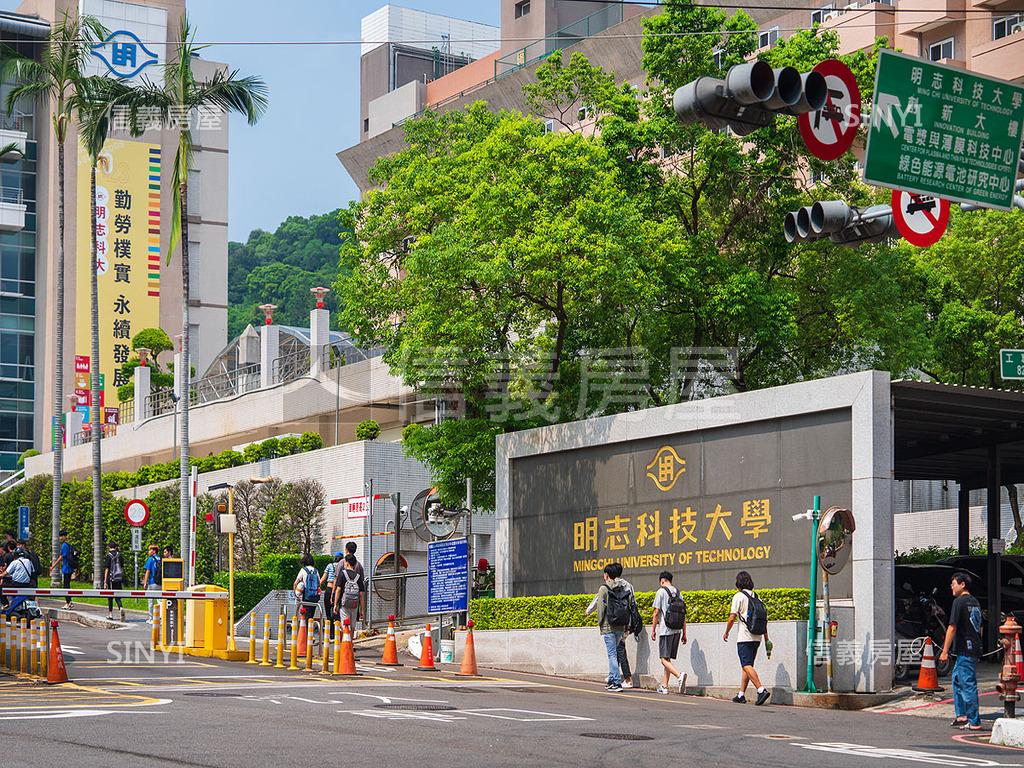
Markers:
149,621
122,616
737,699
626,684
662,690
682,685
762,697
68,606
110,617
614,689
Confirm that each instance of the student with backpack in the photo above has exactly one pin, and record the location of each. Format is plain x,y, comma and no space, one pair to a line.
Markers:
753,618
307,586
634,627
113,578
153,575
327,585
613,616
349,591
68,562
668,627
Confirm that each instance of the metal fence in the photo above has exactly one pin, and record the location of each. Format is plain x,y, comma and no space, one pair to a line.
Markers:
126,411
85,436
160,402
290,367
226,384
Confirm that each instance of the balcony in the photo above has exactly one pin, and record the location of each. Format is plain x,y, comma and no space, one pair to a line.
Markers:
15,141
12,210
1002,58
919,16
858,27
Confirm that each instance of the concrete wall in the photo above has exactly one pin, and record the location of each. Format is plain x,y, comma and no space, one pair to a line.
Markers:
403,102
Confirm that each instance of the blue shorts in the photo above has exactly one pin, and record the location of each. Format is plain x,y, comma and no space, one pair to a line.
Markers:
747,652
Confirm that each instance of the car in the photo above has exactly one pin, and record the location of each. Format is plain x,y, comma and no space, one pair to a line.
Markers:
1011,582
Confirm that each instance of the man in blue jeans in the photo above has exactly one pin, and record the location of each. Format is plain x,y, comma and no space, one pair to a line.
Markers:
963,636
612,617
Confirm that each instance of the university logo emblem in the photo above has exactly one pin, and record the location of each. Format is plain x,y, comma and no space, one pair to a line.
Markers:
124,54
666,468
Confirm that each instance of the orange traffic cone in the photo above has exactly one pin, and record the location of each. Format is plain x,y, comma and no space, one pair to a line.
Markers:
56,672
1020,660
927,678
427,654
468,668
300,641
390,658
348,656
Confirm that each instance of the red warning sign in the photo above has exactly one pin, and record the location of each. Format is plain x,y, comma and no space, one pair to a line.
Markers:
921,219
830,131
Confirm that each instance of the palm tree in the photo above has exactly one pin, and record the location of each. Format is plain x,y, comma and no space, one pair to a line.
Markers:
180,97
94,101
55,77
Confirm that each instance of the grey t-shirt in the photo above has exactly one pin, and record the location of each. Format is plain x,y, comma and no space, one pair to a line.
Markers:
661,598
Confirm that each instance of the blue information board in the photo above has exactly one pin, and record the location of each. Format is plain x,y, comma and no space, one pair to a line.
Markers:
23,525
448,576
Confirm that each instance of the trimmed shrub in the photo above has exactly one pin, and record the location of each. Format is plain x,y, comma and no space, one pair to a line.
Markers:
250,588
311,441
567,610
288,445
284,568
367,430
270,448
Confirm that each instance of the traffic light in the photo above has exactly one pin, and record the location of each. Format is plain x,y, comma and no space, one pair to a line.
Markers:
749,97
842,223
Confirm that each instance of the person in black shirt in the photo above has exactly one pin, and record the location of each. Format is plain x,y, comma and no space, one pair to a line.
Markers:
963,636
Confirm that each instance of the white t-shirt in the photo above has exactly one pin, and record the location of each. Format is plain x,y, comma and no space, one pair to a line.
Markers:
661,598
739,607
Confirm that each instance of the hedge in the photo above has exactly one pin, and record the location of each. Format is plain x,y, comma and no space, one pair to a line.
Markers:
284,568
250,588
567,610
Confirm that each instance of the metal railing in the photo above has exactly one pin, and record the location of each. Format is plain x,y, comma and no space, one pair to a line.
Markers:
12,480
160,402
290,367
12,195
126,411
19,121
226,384
85,436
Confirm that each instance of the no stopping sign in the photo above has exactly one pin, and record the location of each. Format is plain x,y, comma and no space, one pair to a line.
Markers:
921,219
830,131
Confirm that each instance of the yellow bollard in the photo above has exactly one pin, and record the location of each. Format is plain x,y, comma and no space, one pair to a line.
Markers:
23,646
33,648
325,631
3,642
280,642
266,641
337,647
252,639
294,646
44,649
309,646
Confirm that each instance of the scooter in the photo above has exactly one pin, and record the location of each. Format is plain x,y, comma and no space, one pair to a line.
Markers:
22,607
916,619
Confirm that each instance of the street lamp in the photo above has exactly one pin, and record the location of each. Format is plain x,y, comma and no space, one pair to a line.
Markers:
268,313
319,292
230,526
143,355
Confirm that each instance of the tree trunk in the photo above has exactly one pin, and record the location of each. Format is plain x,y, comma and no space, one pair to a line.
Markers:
58,385
94,406
184,378
1018,526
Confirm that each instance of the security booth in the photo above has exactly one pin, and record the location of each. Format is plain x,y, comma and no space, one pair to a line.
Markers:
172,570
707,488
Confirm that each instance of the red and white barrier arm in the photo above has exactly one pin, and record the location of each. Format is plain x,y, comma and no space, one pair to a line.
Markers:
31,592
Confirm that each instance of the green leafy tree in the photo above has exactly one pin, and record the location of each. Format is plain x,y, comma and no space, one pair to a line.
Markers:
367,430
54,78
157,341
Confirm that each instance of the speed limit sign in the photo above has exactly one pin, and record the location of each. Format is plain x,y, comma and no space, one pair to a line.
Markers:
921,219
830,131
136,512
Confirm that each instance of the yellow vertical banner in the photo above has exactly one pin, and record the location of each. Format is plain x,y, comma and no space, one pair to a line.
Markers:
127,263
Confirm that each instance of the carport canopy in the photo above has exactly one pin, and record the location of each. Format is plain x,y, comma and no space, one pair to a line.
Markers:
972,435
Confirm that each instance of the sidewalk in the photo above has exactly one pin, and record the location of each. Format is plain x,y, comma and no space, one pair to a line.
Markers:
90,615
940,704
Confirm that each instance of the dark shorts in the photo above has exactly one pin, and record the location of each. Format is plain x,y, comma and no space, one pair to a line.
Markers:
748,652
668,645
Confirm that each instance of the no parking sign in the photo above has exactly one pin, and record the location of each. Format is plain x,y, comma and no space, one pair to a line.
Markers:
830,131
921,219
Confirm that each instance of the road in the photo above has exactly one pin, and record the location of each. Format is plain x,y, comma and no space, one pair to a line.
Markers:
196,712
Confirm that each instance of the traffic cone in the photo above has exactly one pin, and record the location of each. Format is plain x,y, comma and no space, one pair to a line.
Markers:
427,654
1020,660
300,641
56,672
927,678
348,656
468,668
390,658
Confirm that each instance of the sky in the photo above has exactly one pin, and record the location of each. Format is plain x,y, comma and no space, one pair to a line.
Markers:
287,165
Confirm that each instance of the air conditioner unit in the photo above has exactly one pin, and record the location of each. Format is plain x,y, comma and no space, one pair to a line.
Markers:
851,7
1018,27
831,15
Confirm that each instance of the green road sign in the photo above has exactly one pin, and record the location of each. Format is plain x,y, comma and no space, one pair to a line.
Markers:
1011,364
942,131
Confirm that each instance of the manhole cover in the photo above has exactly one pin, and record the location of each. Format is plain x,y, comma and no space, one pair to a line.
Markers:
618,736
417,707
214,694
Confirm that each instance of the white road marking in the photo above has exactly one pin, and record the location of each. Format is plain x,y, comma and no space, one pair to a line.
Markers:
513,714
397,714
911,755
702,727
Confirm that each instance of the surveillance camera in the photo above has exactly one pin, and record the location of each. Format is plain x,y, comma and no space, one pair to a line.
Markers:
404,510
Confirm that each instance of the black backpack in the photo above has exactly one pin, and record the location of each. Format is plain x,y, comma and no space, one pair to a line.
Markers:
72,558
757,614
636,621
675,612
616,606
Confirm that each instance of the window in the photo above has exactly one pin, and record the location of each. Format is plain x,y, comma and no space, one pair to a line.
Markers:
941,50
818,16
194,262
522,8
719,57
366,125
194,199
768,38
1008,25
583,114
549,126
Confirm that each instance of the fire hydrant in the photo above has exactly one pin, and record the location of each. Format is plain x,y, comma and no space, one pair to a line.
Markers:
1008,677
